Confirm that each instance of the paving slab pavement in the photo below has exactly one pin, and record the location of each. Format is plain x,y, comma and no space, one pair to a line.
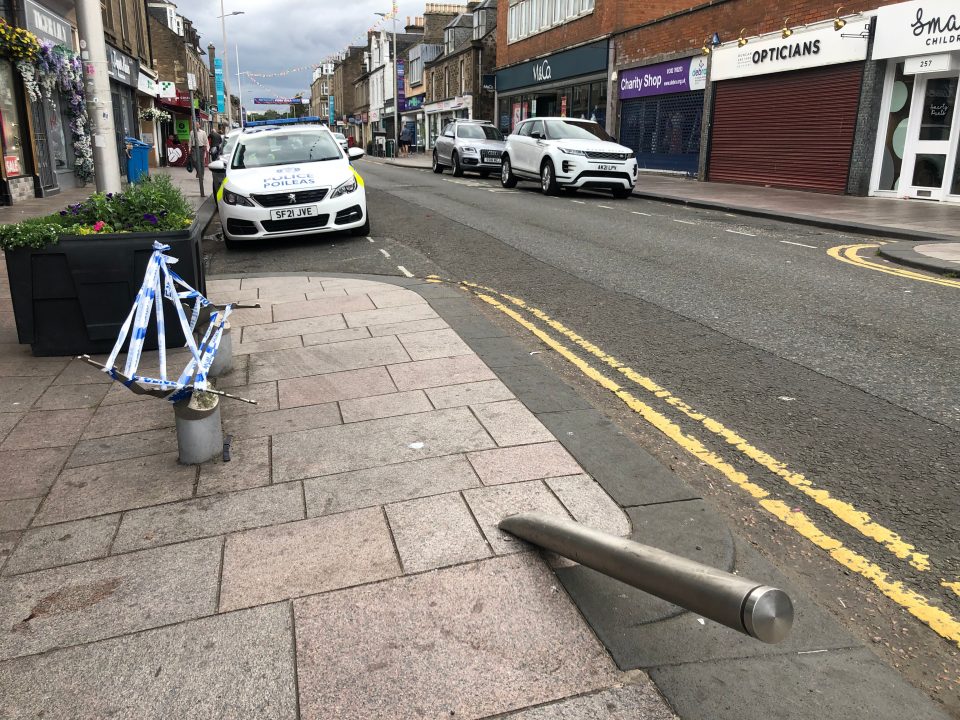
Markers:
346,561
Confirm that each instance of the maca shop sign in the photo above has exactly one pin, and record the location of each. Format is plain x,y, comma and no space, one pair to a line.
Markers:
669,77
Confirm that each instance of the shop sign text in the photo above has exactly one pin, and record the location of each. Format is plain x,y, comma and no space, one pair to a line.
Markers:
917,28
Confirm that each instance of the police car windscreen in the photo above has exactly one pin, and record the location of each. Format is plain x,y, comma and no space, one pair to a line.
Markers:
285,149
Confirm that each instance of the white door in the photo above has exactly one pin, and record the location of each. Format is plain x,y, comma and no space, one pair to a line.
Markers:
933,137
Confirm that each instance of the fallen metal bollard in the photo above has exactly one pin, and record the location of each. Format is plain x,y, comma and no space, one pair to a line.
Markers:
762,612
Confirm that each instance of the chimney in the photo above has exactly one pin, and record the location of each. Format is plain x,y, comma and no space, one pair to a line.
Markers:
212,53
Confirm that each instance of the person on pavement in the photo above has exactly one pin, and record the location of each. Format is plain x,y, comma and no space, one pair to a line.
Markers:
198,151
216,144
406,140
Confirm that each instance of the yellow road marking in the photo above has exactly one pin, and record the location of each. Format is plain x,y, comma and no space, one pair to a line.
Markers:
843,510
952,586
848,254
917,605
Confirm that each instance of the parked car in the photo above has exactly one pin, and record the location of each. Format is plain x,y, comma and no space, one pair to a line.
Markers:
290,181
568,153
342,140
474,145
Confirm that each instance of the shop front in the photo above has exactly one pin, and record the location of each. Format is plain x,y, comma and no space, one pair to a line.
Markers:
50,117
414,118
918,139
439,113
124,74
785,109
661,112
571,83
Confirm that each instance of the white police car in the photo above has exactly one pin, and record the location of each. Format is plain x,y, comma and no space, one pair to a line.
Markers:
288,182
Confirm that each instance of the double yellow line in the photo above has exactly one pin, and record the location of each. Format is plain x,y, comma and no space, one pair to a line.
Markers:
916,604
850,254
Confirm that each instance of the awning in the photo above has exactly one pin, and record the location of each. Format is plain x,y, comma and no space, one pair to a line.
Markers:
176,106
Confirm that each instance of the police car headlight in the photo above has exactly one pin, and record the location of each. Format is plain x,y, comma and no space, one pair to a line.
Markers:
469,150
231,198
569,151
348,187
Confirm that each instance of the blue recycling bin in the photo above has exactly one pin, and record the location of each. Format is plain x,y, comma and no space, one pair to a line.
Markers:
138,166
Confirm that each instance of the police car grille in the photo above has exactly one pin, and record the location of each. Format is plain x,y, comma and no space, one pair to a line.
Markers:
282,199
606,156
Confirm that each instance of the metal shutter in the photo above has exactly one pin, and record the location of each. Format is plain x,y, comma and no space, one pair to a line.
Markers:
791,130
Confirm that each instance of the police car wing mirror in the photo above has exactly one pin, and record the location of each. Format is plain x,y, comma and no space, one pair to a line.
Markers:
216,165
355,153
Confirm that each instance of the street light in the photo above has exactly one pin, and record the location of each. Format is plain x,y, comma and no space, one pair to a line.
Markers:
225,54
396,98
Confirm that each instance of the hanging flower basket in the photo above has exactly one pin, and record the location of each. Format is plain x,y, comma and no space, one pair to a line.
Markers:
155,115
17,44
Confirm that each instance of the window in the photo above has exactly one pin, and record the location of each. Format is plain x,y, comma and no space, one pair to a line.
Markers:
479,132
446,81
528,17
463,78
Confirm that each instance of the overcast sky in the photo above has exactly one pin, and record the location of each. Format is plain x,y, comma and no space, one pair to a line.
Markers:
275,35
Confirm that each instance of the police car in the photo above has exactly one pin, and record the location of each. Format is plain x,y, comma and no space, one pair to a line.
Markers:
290,181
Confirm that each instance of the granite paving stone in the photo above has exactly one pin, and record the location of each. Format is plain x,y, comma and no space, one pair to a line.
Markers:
280,343
276,297
335,336
29,366
235,667
401,328
48,428
352,286
346,385
242,317
389,316
589,504
376,442
321,294
17,514
319,359
237,376
510,423
435,532
114,486
67,397
117,394
123,447
639,701
524,462
249,467
281,283
208,516
63,544
490,505
265,395
224,285
397,297
388,484
29,473
129,417
282,421
503,637
8,421
8,541
323,323
17,394
442,371
485,391
434,344
103,598
222,297
325,306
77,372
275,563
382,406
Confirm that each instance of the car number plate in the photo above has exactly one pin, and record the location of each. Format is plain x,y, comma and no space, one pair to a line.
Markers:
606,167
294,212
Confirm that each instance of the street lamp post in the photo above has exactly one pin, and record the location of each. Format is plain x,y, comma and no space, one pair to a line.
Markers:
225,55
396,98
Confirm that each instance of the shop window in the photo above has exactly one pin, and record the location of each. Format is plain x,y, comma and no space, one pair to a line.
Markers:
598,103
928,170
10,123
898,117
938,107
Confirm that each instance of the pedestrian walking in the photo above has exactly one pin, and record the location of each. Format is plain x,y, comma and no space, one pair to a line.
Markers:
216,144
406,139
198,151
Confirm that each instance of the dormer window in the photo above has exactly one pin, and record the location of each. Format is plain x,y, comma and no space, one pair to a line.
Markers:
480,19
449,40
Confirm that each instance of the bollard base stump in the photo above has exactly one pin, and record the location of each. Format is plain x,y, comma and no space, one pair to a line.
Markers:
199,429
223,360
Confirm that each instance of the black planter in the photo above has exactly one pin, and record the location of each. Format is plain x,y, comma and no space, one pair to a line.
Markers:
72,298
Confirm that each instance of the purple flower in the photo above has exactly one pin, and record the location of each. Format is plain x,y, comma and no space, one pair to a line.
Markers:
150,218
110,195
63,213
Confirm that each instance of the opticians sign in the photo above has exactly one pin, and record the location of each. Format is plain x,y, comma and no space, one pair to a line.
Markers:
669,77
802,50
917,28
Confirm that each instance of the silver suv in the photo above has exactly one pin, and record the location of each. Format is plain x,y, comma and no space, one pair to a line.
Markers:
474,145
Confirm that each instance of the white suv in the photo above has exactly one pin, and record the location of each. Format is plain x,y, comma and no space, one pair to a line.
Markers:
569,153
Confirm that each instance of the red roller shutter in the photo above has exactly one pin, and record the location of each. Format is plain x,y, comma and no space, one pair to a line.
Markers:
791,130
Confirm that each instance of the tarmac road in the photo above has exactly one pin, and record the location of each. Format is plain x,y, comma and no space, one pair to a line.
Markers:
829,388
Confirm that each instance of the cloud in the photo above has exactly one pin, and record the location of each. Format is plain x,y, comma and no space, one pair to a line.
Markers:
276,35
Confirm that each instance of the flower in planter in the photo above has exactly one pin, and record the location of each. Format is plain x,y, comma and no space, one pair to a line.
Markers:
98,226
150,218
